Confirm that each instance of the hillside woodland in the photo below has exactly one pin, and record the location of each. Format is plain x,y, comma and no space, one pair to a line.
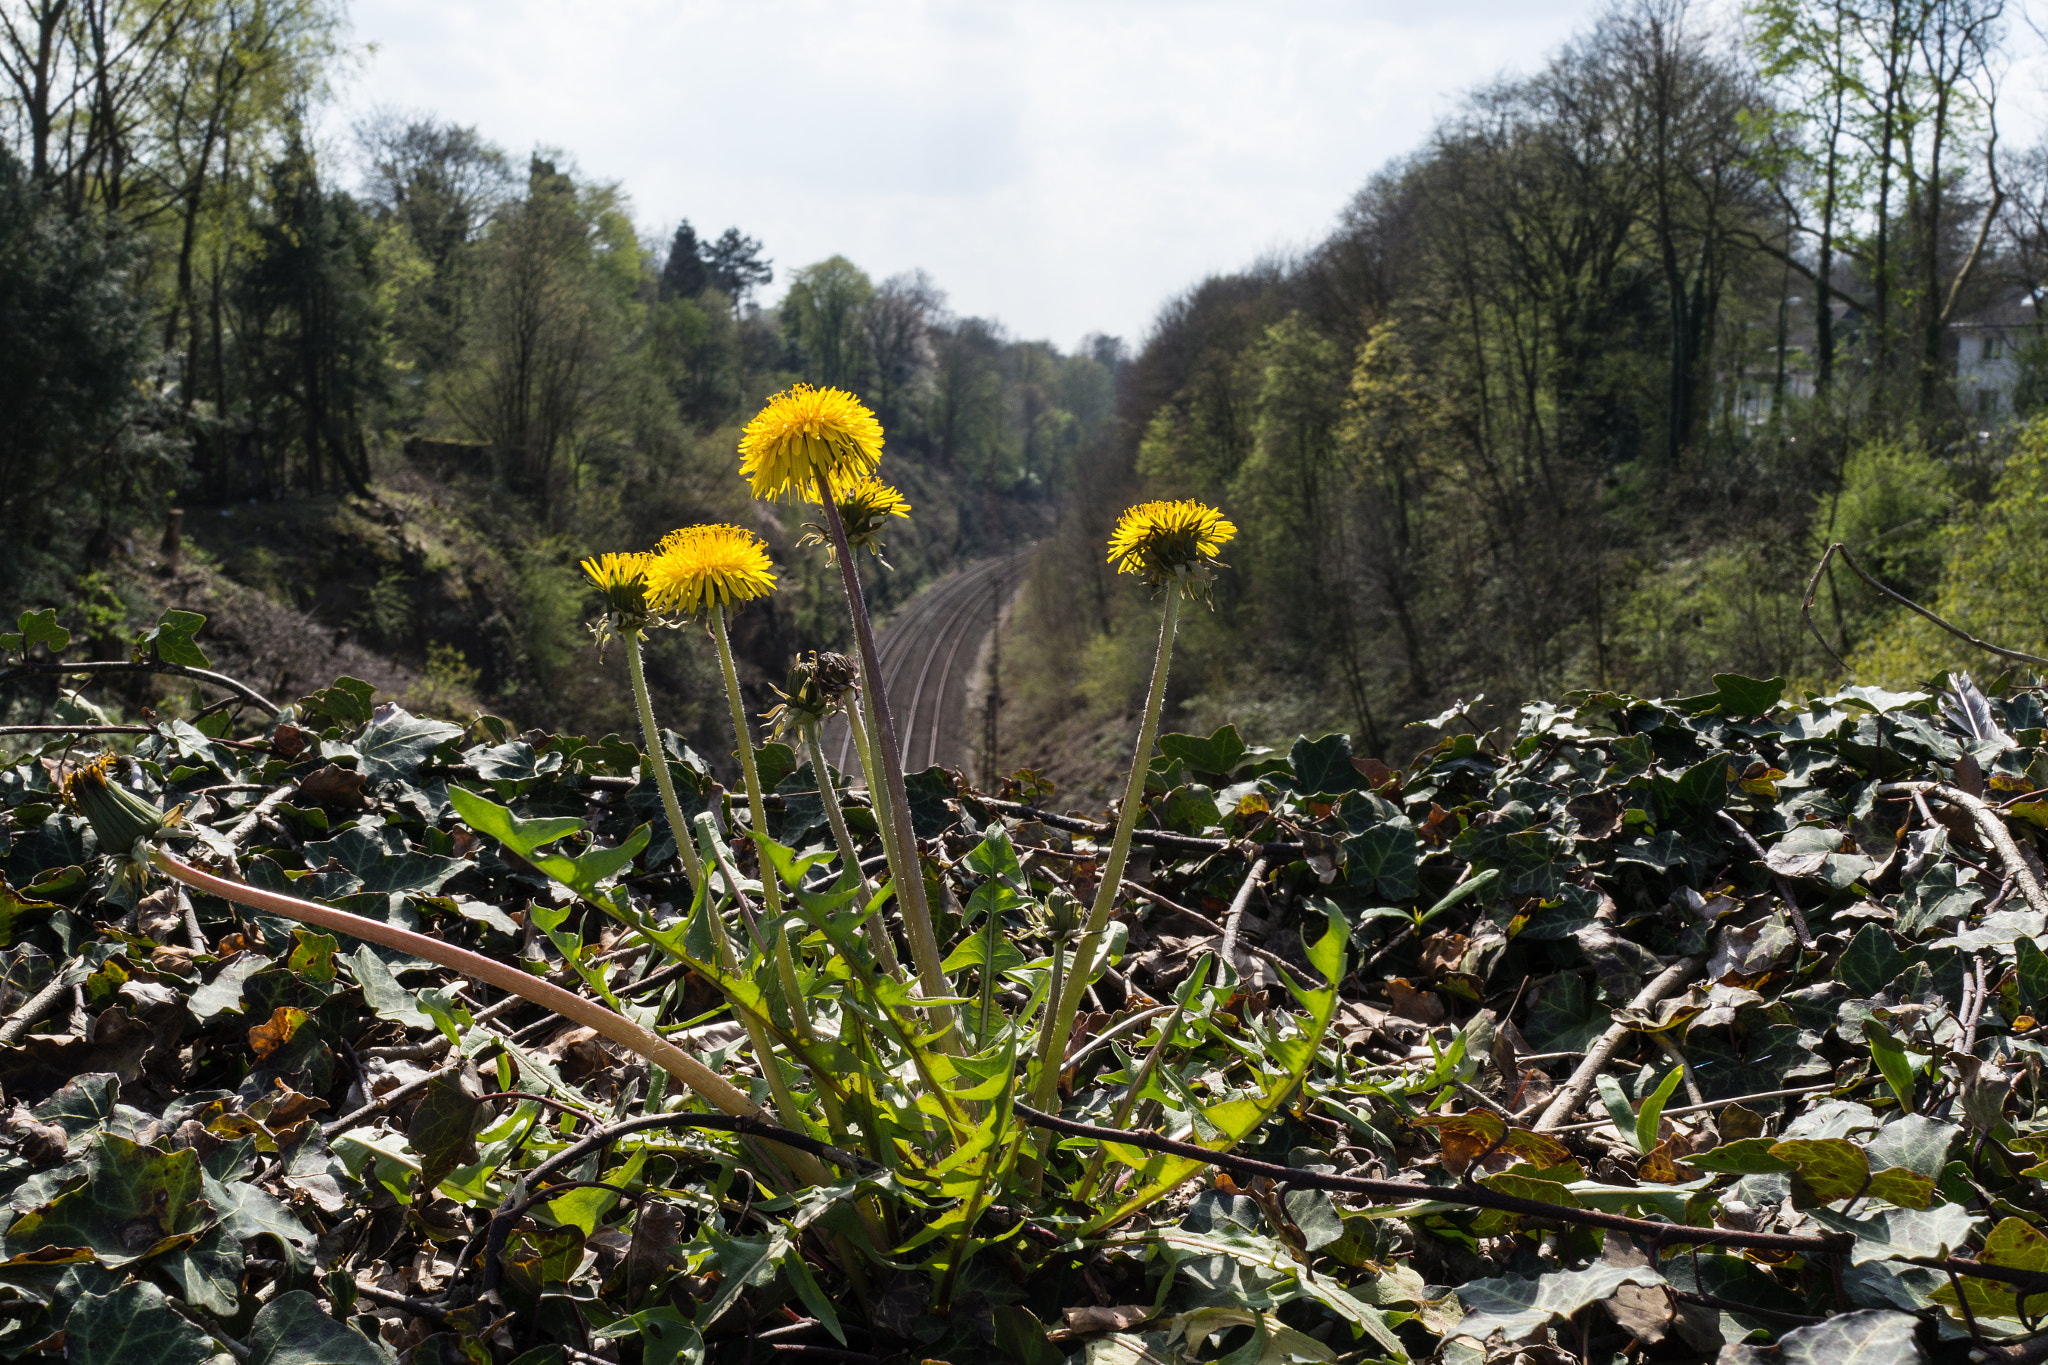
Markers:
1558,404
399,388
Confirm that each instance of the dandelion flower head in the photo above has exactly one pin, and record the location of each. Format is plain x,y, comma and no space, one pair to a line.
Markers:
805,432
1170,541
865,506
622,580
701,567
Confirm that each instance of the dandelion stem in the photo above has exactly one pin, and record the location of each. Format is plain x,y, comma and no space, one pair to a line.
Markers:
657,760
771,888
849,852
886,778
1061,1019
721,943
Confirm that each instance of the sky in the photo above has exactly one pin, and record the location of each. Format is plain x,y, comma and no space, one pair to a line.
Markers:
1062,166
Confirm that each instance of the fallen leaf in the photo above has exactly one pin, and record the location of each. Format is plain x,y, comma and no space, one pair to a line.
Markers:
267,1038
1424,1007
335,786
1080,1320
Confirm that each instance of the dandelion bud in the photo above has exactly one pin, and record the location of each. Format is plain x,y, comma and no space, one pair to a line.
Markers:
1062,914
865,506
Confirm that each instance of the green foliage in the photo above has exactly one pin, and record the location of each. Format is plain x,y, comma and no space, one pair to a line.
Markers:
1990,583
1546,883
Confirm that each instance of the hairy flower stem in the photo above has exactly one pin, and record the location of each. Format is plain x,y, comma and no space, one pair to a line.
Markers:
506,977
887,778
771,887
878,937
721,945
657,759
1061,1018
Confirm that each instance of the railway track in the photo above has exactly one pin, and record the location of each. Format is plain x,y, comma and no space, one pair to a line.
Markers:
926,651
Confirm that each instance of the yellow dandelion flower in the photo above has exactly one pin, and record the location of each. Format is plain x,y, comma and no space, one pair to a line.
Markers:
804,432
622,580
700,567
1170,540
865,505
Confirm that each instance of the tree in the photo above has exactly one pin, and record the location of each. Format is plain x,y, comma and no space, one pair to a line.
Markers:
312,330
735,267
439,184
684,274
896,328
821,317
76,384
560,268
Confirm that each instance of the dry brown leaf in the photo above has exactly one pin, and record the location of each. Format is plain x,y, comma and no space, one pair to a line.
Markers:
334,786
1439,827
1117,1319
1441,953
1660,1166
1424,1007
284,1021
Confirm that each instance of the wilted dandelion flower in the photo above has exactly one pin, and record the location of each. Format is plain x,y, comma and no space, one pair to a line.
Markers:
865,506
121,820
804,432
816,687
700,567
1172,541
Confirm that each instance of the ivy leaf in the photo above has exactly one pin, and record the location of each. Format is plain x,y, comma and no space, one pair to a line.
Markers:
170,640
443,1128
39,628
382,862
1322,767
293,1330
2033,974
1515,1306
1385,857
1734,696
134,1324
136,1202
1566,1018
1871,961
1868,1336
397,742
1218,755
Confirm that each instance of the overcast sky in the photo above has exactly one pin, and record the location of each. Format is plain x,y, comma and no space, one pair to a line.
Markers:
1064,166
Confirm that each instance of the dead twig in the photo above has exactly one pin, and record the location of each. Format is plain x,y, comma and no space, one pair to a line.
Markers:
1574,1091
98,667
1189,843
1784,887
1478,1196
1231,921
1806,611
1993,828
41,1003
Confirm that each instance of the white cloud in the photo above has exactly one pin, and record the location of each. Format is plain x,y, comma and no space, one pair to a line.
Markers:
1061,166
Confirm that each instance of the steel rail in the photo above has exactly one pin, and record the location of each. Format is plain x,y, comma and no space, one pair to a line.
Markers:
899,649
949,630
896,638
